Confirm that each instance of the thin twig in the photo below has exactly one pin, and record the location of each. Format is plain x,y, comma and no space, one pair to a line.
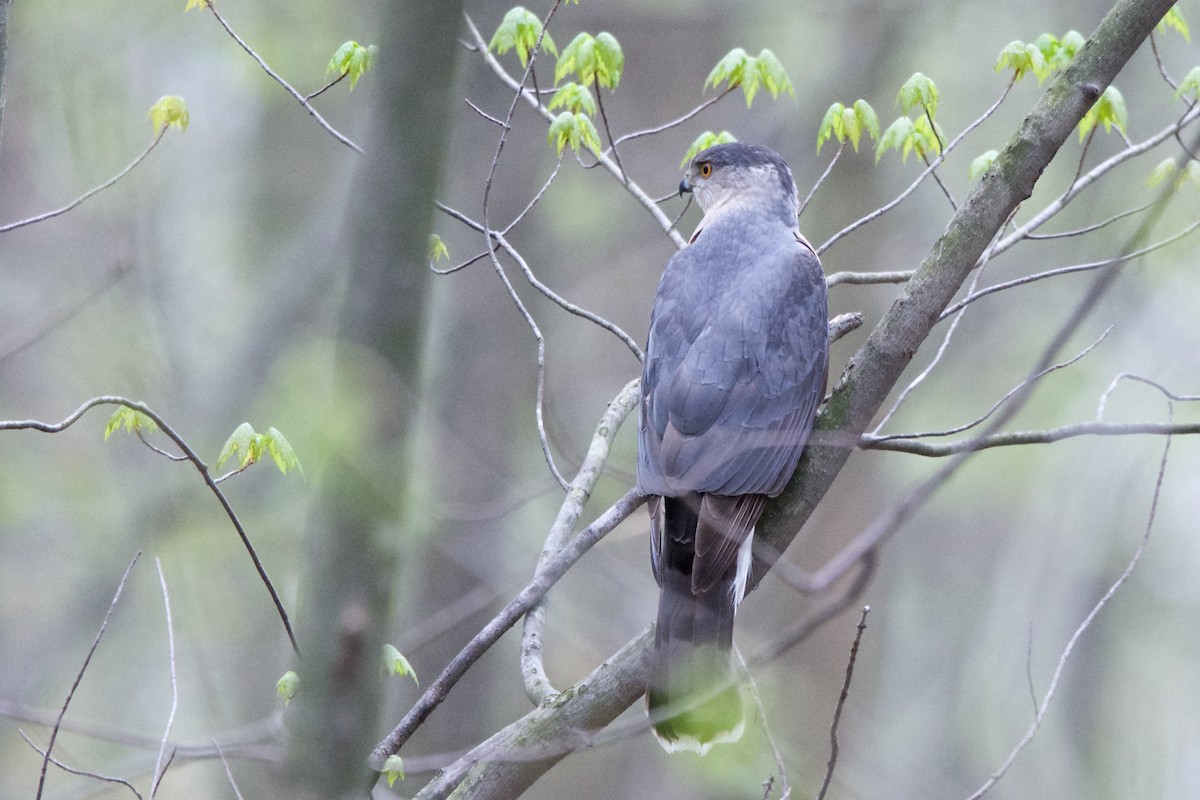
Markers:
876,437
785,788
666,126
301,99
1117,261
841,703
79,675
1129,376
1032,730
341,77
828,169
159,769
1018,438
228,772
83,773
91,192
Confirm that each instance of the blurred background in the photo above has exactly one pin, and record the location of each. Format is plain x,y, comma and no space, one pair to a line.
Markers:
207,283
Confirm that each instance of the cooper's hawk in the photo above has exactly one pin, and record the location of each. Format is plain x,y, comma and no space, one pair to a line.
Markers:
735,369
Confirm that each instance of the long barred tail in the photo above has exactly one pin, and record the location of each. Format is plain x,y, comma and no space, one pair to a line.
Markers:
693,699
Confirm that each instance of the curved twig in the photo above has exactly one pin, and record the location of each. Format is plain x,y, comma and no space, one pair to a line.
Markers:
197,462
533,670
91,192
301,99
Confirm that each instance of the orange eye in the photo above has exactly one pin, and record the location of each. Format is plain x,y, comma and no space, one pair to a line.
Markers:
705,169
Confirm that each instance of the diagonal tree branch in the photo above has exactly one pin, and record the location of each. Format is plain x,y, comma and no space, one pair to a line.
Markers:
875,369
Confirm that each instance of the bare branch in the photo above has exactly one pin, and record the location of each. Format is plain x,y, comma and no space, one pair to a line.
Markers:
1079,631
841,703
1118,261
675,122
876,437
828,169
159,768
868,278
83,773
533,670
79,676
91,192
301,99
785,788
1014,438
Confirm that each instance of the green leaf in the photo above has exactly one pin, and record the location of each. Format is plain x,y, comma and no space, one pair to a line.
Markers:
352,59
981,163
1161,172
918,91
773,75
196,4
132,420
739,68
851,123
894,138
437,249
170,110
573,97
1022,58
393,767
397,664
1191,172
281,451
1174,20
1108,111
573,128
705,141
287,686
520,29
240,441
1190,84
730,69
594,59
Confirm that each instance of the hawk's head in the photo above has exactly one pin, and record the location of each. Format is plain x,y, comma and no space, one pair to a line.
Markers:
737,175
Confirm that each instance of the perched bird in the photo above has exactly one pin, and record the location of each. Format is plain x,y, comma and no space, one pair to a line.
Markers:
735,368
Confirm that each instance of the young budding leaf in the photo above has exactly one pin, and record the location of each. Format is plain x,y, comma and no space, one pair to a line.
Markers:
895,138
281,451
437,249
575,129
1190,85
170,110
352,59
132,420
573,97
731,69
393,767
833,125
196,4
520,30
1022,58
396,664
240,441
1108,111
1174,20
773,75
851,123
594,59
705,141
918,91
287,687
981,163
1161,172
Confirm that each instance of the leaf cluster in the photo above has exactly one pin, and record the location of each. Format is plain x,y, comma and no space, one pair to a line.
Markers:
169,111
739,68
352,60
843,122
705,141
252,446
921,134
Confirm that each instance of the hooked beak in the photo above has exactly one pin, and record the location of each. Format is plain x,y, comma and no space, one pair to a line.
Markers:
684,187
